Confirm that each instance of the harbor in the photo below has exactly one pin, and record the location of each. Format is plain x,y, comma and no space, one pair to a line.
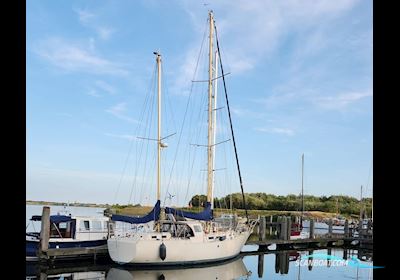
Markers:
267,236
187,140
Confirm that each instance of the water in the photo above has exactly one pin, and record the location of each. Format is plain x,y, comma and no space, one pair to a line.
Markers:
281,265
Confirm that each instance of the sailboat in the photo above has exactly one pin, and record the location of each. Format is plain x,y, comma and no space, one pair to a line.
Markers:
193,238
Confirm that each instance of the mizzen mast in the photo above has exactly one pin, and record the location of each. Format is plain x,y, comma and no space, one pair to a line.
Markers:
159,144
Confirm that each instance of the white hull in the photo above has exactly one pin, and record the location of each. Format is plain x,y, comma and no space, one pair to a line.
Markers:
142,250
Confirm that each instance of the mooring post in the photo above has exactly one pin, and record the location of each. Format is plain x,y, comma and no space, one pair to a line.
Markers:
330,228
312,228
262,229
260,265
288,227
279,227
283,228
270,225
346,228
44,231
360,228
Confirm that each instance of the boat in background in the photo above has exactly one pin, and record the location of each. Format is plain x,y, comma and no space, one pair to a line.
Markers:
69,232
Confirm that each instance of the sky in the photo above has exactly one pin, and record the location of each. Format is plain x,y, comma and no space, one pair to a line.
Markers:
300,82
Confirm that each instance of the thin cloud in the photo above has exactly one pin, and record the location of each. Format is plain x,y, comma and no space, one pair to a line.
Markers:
276,130
104,32
266,24
342,100
122,136
105,87
84,16
93,93
90,20
73,57
119,111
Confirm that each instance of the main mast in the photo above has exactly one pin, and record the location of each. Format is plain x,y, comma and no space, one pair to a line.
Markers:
210,172
214,127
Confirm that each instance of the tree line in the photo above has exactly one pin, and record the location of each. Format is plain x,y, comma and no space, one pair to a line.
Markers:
340,204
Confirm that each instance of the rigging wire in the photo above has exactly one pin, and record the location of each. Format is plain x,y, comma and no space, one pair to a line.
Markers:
230,120
127,158
185,114
142,115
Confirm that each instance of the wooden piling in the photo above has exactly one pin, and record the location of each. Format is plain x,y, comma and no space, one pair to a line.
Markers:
44,232
330,227
288,227
270,225
312,225
346,228
262,229
283,232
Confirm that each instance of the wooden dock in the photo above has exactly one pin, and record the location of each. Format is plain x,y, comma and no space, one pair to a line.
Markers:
279,233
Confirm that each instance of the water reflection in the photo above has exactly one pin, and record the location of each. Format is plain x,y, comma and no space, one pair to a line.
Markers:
231,270
267,265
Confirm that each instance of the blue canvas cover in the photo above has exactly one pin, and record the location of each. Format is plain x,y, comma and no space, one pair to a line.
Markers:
53,218
205,215
152,216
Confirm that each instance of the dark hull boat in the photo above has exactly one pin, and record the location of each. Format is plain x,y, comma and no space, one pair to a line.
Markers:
69,232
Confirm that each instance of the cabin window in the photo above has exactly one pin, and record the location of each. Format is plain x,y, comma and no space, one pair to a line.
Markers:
62,225
84,225
60,230
197,228
184,231
96,225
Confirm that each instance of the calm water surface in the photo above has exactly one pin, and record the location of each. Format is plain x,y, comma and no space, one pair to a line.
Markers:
281,265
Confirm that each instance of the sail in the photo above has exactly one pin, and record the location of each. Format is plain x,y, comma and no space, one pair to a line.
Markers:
151,216
205,215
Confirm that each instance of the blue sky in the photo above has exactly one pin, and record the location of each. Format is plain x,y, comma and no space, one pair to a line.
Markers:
300,82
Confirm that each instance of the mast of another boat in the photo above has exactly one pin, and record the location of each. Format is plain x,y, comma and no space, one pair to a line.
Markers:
302,191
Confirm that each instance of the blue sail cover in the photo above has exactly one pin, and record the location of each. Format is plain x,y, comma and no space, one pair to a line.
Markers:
152,216
53,218
205,215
